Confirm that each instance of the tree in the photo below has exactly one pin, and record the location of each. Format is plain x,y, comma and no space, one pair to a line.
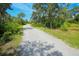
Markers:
21,15
51,15
3,8
76,18
45,13
20,18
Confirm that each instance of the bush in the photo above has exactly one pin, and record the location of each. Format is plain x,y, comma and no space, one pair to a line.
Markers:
76,18
37,25
2,29
7,36
12,27
65,26
57,23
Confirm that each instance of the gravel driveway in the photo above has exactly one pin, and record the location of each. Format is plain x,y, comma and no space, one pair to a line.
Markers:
38,43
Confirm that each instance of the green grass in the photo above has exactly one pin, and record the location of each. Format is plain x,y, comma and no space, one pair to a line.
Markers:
69,37
13,44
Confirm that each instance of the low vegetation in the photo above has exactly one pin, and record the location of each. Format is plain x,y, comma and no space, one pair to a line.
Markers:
69,37
10,47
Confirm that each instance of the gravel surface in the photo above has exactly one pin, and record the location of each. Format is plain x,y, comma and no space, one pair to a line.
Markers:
38,43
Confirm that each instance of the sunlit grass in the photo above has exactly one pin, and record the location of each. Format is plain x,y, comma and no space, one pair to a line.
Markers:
13,44
69,37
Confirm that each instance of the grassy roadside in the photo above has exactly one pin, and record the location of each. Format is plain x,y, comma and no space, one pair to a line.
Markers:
9,48
69,37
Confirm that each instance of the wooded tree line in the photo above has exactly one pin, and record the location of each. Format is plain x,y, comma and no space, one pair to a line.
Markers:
9,25
54,15
51,15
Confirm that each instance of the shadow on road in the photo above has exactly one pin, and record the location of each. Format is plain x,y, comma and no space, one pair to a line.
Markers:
34,48
28,28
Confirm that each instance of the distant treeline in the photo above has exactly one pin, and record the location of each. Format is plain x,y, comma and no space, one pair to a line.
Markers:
55,15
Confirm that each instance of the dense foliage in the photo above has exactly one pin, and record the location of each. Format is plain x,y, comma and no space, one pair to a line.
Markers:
9,26
54,15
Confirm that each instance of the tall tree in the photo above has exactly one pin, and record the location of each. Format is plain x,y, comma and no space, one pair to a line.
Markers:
3,8
21,15
20,19
45,13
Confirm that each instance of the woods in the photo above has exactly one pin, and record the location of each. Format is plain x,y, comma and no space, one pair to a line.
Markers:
55,15
58,19
10,26
47,15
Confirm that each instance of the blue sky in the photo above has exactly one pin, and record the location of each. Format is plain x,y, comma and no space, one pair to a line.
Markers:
21,7
26,8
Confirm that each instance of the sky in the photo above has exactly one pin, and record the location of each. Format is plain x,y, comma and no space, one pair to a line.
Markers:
26,8
21,7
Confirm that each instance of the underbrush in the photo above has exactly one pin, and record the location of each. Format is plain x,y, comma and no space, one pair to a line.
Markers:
74,27
65,26
9,29
37,25
10,47
70,26
10,38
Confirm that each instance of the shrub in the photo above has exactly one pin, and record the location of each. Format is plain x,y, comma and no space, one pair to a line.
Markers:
2,30
57,23
12,27
37,25
65,26
7,36
76,18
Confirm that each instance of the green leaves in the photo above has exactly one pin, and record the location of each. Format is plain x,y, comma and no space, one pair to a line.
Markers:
3,7
12,27
76,18
9,26
47,14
